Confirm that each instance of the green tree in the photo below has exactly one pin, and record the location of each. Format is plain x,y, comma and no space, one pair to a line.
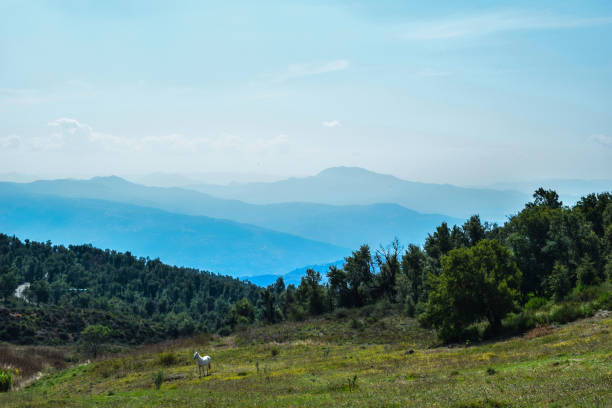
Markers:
475,283
39,291
359,271
439,243
338,287
242,313
389,268
8,282
93,336
311,293
413,268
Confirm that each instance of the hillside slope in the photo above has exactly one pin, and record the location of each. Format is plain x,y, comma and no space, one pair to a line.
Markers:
335,362
221,246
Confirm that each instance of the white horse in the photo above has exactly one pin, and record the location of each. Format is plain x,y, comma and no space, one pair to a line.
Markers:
202,361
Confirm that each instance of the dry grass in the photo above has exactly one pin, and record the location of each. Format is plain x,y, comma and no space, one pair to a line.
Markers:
539,331
570,366
31,360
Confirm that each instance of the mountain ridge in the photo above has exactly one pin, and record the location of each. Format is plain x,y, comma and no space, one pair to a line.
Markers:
178,239
341,225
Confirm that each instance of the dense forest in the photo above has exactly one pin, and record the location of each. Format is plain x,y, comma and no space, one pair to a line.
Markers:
141,299
548,263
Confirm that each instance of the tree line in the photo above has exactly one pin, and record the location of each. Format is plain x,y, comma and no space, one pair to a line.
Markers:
471,277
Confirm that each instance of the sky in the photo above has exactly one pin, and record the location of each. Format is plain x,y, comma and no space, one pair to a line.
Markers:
493,91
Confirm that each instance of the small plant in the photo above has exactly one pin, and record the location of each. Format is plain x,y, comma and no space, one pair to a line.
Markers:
491,371
6,380
168,359
352,383
158,379
241,374
256,366
274,351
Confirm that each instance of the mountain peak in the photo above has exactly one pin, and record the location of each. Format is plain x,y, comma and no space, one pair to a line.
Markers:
110,180
346,171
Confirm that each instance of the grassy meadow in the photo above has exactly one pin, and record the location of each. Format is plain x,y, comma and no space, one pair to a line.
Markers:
346,360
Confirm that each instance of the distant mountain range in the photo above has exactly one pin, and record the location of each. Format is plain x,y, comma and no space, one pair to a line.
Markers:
220,246
257,230
570,191
347,226
357,186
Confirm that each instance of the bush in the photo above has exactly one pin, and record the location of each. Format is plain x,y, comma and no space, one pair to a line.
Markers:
534,303
158,379
93,336
519,322
604,301
168,359
584,293
356,324
565,313
6,380
341,313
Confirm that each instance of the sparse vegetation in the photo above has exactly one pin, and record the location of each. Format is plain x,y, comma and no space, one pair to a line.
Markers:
6,380
569,365
158,379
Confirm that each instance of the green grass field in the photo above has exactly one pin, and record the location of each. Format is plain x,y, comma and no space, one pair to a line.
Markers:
348,361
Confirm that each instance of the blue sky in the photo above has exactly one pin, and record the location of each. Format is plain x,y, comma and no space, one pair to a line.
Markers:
497,91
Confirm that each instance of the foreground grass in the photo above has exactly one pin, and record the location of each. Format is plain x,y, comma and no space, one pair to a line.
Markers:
326,362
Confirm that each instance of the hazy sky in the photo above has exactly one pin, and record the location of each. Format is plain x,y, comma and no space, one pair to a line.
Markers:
496,91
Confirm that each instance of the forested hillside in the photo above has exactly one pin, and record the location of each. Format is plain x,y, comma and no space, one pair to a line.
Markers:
141,299
548,263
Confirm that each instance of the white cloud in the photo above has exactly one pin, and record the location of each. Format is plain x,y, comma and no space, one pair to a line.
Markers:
10,142
602,140
490,23
331,123
310,69
72,134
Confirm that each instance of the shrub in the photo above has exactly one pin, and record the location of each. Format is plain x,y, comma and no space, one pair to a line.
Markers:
341,313
93,336
168,359
535,303
604,301
158,379
584,293
6,380
519,322
274,351
352,383
565,313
